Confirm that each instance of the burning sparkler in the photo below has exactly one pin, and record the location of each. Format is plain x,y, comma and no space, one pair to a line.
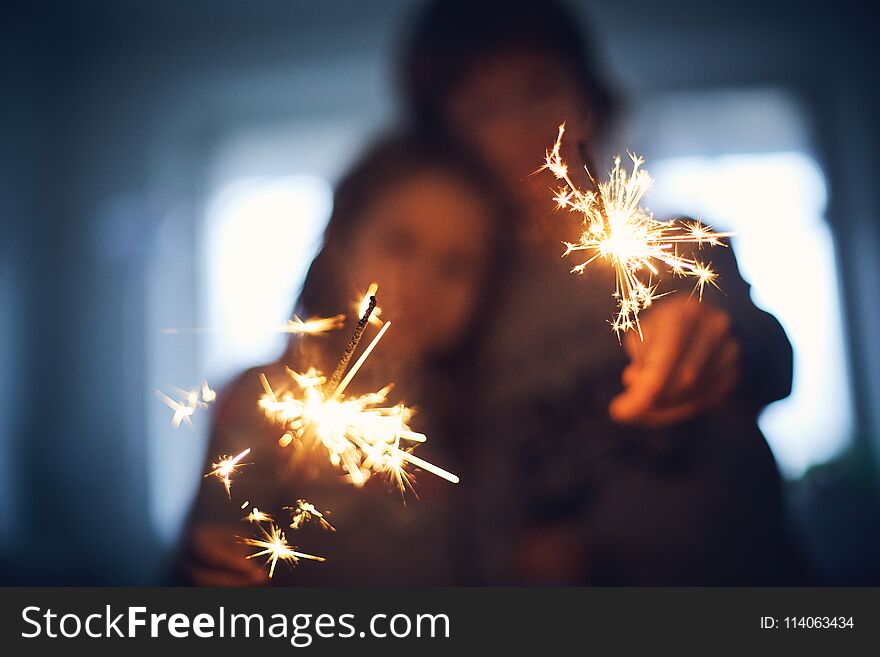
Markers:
225,467
187,402
305,511
361,435
276,548
363,303
617,229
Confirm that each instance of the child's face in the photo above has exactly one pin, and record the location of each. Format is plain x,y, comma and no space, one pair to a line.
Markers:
508,110
425,242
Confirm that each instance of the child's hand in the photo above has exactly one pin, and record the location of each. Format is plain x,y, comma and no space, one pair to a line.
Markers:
688,363
216,557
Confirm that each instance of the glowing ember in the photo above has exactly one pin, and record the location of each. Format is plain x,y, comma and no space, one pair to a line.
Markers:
362,304
257,516
305,511
275,548
187,402
313,326
225,467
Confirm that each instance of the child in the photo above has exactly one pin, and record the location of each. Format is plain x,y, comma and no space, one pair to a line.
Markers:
411,217
639,463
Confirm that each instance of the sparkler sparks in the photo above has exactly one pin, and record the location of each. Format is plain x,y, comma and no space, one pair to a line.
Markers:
361,434
617,229
208,395
305,511
313,326
187,402
182,411
296,326
257,516
225,467
275,548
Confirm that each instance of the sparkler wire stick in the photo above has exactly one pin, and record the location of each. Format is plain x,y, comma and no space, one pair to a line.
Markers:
352,344
359,362
425,465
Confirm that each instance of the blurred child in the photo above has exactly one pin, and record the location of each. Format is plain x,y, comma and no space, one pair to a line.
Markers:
411,217
639,463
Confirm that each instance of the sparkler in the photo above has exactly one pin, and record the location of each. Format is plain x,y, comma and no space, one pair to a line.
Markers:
187,403
362,436
225,467
359,329
617,229
305,511
276,548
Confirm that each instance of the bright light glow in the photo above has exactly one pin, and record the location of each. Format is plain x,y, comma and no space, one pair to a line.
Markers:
225,467
304,511
775,203
274,546
260,236
616,228
361,434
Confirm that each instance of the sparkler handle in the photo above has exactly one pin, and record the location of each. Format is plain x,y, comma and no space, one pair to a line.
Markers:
333,382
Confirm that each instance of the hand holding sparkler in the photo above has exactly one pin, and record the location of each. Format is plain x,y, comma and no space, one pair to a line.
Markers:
687,363
686,358
215,556
361,434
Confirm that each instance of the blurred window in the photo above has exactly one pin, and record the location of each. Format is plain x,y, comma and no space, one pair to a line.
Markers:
775,201
260,237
